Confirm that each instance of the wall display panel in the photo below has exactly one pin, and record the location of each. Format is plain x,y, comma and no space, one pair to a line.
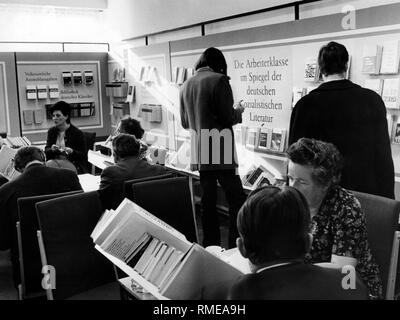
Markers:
77,78
48,77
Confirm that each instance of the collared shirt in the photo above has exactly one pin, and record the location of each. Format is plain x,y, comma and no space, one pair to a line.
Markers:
339,228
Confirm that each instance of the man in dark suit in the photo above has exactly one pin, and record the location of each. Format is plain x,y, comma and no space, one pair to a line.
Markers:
35,179
128,166
353,119
274,235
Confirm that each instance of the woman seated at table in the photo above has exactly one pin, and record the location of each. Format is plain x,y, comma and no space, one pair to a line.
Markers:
132,126
338,222
65,146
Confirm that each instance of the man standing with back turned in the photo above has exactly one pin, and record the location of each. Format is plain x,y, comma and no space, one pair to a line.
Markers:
206,107
353,119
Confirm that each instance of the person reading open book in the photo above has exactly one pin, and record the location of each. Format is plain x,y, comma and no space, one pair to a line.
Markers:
274,229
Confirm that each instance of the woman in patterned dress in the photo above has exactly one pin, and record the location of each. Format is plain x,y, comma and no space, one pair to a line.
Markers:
338,221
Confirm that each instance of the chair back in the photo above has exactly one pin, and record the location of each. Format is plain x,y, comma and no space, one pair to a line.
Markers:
170,200
66,224
90,139
127,188
382,215
28,249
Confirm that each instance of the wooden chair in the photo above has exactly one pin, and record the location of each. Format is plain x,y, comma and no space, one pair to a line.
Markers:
81,272
382,216
170,200
28,250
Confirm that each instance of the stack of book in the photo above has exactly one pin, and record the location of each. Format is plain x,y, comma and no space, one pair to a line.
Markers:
156,255
266,139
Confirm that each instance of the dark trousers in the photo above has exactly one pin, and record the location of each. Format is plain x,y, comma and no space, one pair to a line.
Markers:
233,189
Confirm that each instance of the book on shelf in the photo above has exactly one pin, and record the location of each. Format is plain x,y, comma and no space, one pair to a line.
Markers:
311,70
374,85
390,123
180,78
396,137
252,138
278,140
156,255
264,141
7,169
390,93
371,59
390,57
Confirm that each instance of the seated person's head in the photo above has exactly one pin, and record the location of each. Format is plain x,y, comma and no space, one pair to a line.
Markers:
131,126
314,166
333,59
273,225
124,146
61,113
27,155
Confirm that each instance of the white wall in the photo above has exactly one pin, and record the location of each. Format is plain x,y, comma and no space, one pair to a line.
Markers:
97,4
35,23
133,18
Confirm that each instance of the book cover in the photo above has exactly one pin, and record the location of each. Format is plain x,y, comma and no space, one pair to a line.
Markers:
53,91
144,259
31,92
264,139
156,273
276,140
136,245
28,116
390,93
396,137
311,72
155,260
42,91
390,57
198,269
38,116
181,75
134,258
371,59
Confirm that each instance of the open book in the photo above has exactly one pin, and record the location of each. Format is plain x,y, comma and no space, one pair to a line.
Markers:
7,169
156,255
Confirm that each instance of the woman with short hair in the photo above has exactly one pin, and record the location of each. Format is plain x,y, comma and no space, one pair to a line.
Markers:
65,144
338,222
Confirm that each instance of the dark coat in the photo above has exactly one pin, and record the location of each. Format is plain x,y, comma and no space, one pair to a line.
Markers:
75,140
354,119
113,178
206,102
36,180
296,282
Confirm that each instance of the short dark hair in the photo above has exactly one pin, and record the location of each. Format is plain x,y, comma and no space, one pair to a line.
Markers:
64,107
213,58
273,224
131,126
28,154
323,157
333,58
125,145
